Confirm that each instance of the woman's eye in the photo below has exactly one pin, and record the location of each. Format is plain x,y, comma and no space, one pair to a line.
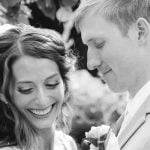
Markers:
52,85
25,91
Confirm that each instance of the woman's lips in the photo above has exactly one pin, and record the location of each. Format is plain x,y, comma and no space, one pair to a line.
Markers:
41,112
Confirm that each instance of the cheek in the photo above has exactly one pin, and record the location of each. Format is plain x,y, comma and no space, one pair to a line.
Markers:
60,93
115,60
20,101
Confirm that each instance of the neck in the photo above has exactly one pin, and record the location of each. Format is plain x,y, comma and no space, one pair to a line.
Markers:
46,139
139,84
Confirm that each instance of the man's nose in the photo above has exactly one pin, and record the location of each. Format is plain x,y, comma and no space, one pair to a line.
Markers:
93,59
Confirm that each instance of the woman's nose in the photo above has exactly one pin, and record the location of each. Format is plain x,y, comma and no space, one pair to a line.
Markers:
42,96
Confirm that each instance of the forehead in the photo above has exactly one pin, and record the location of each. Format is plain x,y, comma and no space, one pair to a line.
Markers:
30,68
94,26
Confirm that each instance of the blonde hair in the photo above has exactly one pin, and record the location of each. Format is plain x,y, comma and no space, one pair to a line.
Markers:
123,13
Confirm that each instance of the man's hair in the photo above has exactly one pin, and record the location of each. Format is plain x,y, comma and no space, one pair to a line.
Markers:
123,13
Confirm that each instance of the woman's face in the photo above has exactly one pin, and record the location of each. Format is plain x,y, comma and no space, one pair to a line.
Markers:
38,90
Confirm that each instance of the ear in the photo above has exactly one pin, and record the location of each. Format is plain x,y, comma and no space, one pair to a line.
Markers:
2,98
143,29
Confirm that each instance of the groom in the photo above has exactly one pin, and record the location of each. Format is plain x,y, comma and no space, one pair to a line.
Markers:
117,33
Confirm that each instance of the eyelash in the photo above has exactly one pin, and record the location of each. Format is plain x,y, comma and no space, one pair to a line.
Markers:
52,86
99,46
28,91
25,91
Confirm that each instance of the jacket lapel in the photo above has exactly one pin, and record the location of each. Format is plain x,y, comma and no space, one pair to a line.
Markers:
117,127
137,121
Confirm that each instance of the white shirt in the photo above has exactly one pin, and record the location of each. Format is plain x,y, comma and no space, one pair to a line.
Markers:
134,104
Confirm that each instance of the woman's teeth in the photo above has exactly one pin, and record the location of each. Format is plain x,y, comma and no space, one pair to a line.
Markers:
41,111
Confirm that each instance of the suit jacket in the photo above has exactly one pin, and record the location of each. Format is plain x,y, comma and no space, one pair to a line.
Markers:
136,135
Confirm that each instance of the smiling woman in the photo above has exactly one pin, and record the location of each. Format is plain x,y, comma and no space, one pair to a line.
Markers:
34,90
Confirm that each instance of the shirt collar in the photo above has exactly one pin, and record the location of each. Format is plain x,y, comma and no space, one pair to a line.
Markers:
135,103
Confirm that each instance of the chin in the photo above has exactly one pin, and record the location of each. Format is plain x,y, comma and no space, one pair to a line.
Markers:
117,89
45,124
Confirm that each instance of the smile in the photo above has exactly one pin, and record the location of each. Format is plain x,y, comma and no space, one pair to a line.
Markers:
41,112
107,71
104,72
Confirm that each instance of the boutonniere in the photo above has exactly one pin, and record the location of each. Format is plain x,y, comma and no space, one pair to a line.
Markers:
101,138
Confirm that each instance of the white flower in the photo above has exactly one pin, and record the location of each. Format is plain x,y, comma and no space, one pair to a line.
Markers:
97,132
112,143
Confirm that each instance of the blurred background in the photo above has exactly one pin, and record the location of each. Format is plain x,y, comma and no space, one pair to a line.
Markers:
93,103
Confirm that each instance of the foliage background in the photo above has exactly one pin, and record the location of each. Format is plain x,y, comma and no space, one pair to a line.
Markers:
93,103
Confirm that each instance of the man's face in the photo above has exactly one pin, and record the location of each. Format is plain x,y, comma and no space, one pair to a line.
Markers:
113,54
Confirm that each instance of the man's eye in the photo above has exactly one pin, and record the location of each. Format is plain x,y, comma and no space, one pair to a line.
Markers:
25,91
52,85
99,45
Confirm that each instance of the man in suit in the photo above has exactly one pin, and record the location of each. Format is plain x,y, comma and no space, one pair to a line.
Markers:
117,34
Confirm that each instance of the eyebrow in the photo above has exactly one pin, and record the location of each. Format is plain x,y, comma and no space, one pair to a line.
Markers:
48,78
52,76
87,41
90,40
94,39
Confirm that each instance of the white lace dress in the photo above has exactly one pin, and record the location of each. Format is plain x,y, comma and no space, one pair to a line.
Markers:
62,141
